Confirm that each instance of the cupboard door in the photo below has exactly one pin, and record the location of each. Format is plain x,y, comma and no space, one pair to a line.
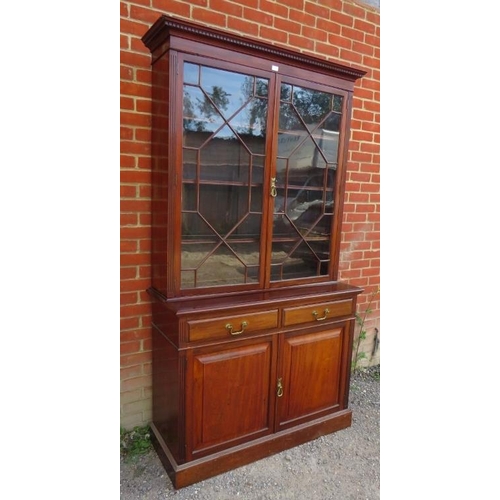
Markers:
310,376
231,398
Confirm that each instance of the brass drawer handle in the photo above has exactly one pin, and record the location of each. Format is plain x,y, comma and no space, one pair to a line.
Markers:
229,328
315,314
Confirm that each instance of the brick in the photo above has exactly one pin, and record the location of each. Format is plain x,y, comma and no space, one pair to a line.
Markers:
135,119
242,26
134,260
134,383
135,176
364,26
349,55
318,11
126,397
180,9
134,310
314,33
229,8
343,19
134,285
274,8
128,273
128,246
327,49
126,103
134,147
135,359
133,28
328,26
353,10
285,25
140,333
130,347
273,34
143,14
258,16
129,323
303,18
209,17
367,50
339,41
372,127
129,298
136,406
352,34
301,42
128,422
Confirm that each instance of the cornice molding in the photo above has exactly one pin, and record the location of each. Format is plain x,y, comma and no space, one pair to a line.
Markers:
167,26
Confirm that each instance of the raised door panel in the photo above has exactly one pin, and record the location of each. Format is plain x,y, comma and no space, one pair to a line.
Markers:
231,396
310,376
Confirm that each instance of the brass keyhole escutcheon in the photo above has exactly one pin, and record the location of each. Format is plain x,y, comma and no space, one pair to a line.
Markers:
279,390
273,187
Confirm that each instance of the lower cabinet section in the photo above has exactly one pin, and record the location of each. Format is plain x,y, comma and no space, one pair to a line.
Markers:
226,400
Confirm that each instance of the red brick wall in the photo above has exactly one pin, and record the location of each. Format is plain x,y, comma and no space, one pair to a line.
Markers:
332,29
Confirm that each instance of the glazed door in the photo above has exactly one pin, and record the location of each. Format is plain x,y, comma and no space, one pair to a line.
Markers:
232,397
225,150
310,131
309,377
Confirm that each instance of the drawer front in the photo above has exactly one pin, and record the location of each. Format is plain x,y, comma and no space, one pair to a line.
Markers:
232,326
322,311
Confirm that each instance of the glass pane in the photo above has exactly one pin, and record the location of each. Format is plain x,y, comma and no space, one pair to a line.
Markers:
194,228
223,206
301,263
191,73
228,90
250,124
289,118
187,279
221,268
190,159
258,169
328,142
322,250
311,105
247,252
194,254
337,103
256,200
189,201
286,92
248,228
200,118
261,87
224,159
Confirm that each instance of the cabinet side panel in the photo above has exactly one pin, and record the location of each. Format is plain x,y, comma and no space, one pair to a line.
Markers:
159,148
166,381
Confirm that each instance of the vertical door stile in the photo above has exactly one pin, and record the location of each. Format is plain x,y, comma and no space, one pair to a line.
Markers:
270,172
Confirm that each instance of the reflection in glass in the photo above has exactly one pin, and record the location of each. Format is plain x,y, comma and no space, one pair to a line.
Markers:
191,73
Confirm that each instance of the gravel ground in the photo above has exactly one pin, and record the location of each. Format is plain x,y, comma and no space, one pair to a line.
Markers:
344,465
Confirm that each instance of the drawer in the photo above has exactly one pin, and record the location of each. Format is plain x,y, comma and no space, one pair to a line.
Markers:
232,326
322,311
